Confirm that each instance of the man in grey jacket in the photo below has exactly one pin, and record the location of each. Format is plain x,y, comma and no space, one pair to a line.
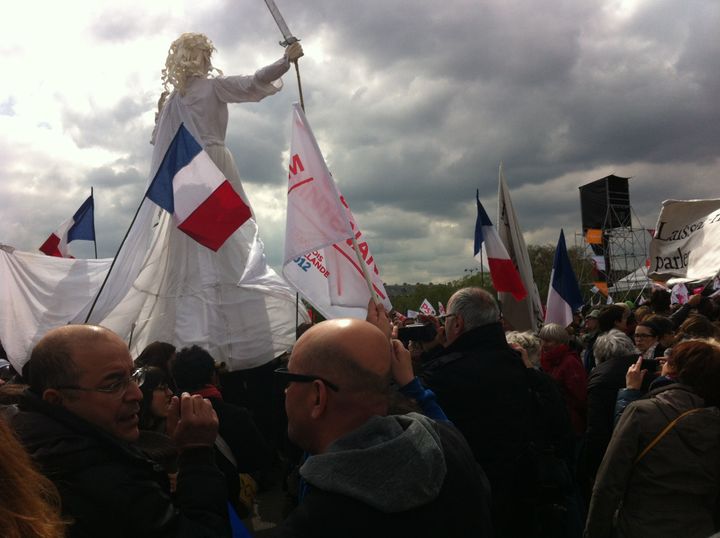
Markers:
369,473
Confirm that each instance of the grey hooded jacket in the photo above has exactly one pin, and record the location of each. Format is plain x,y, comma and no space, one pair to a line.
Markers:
402,475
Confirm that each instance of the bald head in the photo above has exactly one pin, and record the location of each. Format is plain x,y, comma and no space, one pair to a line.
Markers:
51,362
352,353
355,356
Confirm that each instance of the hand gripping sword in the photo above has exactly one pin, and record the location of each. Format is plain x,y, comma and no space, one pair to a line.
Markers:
289,40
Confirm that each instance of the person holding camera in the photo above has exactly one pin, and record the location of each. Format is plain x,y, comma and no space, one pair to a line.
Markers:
370,472
79,422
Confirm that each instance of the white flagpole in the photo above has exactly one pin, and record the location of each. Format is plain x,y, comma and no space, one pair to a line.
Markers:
365,272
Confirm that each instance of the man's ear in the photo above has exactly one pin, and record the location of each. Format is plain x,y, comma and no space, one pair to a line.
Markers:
52,396
318,409
459,323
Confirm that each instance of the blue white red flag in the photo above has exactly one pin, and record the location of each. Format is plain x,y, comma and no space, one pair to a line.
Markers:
80,226
504,274
564,296
192,188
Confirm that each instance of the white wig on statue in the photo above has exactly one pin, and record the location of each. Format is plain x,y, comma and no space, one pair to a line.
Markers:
188,57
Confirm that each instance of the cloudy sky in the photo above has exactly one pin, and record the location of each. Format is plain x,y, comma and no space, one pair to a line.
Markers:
414,104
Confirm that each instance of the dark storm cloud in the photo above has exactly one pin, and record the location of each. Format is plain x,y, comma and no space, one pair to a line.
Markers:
551,92
415,104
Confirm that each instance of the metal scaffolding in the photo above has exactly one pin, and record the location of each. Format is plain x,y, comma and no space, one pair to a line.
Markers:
625,251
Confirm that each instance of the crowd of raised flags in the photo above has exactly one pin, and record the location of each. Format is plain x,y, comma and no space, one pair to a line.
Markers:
329,262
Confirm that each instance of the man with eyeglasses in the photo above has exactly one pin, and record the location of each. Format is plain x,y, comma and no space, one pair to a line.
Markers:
79,420
491,396
370,473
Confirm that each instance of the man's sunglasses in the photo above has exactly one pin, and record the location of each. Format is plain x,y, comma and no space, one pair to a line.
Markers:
288,377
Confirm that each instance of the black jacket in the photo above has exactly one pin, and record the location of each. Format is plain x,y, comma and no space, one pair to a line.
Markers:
516,423
249,449
111,489
370,483
480,383
605,380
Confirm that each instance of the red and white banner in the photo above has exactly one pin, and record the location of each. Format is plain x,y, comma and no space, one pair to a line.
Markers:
426,308
320,260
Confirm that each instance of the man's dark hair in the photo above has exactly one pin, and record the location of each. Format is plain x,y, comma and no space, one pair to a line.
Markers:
192,368
50,366
156,354
698,364
660,301
661,325
610,315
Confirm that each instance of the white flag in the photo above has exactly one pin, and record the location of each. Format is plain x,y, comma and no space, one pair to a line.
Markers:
526,314
679,294
320,260
426,308
687,240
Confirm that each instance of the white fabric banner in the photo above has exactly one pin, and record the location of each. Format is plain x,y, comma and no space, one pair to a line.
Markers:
38,293
687,240
320,260
526,314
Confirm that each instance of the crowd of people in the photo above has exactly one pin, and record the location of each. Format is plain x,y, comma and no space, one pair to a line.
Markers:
607,427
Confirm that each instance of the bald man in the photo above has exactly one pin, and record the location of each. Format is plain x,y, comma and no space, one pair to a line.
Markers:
79,420
368,473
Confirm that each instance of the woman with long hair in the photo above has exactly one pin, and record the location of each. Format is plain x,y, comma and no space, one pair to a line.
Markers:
157,393
29,502
154,384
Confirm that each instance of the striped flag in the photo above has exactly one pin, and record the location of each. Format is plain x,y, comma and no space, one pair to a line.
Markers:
504,274
201,200
80,226
564,296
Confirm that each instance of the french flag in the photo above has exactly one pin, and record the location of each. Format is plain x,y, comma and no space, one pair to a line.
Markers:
80,226
564,296
194,190
504,274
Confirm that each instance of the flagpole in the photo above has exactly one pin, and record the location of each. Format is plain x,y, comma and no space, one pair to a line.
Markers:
297,72
93,223
365,272
107,275
482,269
